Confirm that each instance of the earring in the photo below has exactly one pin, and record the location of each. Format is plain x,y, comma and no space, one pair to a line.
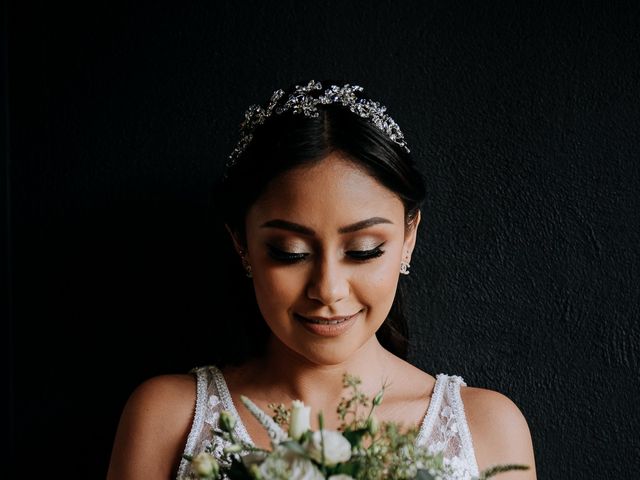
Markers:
404,268
247,269
245,263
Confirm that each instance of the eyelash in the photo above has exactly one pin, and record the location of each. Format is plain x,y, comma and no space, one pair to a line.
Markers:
357,255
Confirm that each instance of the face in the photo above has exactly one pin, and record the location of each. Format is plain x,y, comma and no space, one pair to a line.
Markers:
325,242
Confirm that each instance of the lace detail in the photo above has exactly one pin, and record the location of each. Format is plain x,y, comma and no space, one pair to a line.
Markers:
450,431
199,415
443,429
212,398
227,404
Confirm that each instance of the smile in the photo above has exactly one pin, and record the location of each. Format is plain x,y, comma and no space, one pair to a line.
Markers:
327,327
328,322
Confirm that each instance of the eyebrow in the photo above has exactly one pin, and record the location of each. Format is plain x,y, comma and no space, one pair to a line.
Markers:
297,228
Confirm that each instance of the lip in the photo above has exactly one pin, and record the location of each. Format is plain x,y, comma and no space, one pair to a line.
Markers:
328,319
330,329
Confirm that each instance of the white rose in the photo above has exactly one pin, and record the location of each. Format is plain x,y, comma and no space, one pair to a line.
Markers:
341,476
273,463
284,463
299,423
336,448
303,469
205,465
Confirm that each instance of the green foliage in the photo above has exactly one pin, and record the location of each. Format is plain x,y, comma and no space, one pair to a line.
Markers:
493,471
378,450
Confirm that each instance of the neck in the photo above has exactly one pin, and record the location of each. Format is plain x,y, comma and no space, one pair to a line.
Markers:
284,375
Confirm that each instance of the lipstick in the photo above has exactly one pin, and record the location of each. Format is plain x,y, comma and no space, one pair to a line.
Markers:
327,326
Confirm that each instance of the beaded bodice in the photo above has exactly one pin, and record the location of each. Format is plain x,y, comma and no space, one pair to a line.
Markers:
444,427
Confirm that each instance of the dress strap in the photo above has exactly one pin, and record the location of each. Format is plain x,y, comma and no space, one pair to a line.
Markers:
198,417
227,404
445,427
433,408
466,444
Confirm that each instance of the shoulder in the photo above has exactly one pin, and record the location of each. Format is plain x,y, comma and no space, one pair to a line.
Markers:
153,428
169,398
157,388
499,431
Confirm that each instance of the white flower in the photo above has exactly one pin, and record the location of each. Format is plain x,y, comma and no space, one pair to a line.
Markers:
205,465
299,423
303,469
274,467
285,464
341,476
336,448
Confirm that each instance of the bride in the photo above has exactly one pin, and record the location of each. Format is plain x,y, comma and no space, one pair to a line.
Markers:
322,204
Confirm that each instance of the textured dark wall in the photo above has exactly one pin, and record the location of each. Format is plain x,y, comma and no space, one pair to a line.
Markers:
523,116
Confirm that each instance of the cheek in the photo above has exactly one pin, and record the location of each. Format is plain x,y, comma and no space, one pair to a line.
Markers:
375,285
278,287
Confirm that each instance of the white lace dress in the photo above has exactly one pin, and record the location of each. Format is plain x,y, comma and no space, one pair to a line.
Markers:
444,427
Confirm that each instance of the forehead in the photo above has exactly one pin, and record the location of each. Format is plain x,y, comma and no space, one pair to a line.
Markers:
332,189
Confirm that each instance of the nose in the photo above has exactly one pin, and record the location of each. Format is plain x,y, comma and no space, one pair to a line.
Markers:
329,282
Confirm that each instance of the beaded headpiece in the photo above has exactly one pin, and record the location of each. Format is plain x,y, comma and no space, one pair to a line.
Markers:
303,101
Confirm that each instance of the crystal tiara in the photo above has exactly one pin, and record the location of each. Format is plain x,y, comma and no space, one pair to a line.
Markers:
302,101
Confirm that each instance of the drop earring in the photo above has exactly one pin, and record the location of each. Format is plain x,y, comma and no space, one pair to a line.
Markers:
404,268
245,263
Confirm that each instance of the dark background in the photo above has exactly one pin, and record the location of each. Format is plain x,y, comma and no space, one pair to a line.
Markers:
524,117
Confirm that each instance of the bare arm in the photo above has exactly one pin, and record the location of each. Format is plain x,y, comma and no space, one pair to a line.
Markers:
499,432
153,429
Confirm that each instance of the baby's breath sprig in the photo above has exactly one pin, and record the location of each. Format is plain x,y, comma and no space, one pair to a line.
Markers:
281,414
349,405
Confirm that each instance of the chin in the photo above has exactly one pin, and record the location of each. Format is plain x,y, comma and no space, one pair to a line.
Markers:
328,353
320,349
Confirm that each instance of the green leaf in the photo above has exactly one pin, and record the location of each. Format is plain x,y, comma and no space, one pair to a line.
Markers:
305,437
424,475
355,436
294,447
238,471
350,469
493,471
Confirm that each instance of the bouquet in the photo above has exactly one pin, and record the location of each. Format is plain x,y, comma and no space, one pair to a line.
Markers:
361,449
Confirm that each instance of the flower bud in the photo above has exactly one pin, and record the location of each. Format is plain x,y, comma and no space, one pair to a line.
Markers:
378,398
205,465
300,419
227,421
235,448
373,425
254,471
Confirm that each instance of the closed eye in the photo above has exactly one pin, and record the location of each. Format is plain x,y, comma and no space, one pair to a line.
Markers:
286,257
291,257
366,254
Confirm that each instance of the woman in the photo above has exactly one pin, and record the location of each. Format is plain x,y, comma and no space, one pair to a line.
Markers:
322,204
